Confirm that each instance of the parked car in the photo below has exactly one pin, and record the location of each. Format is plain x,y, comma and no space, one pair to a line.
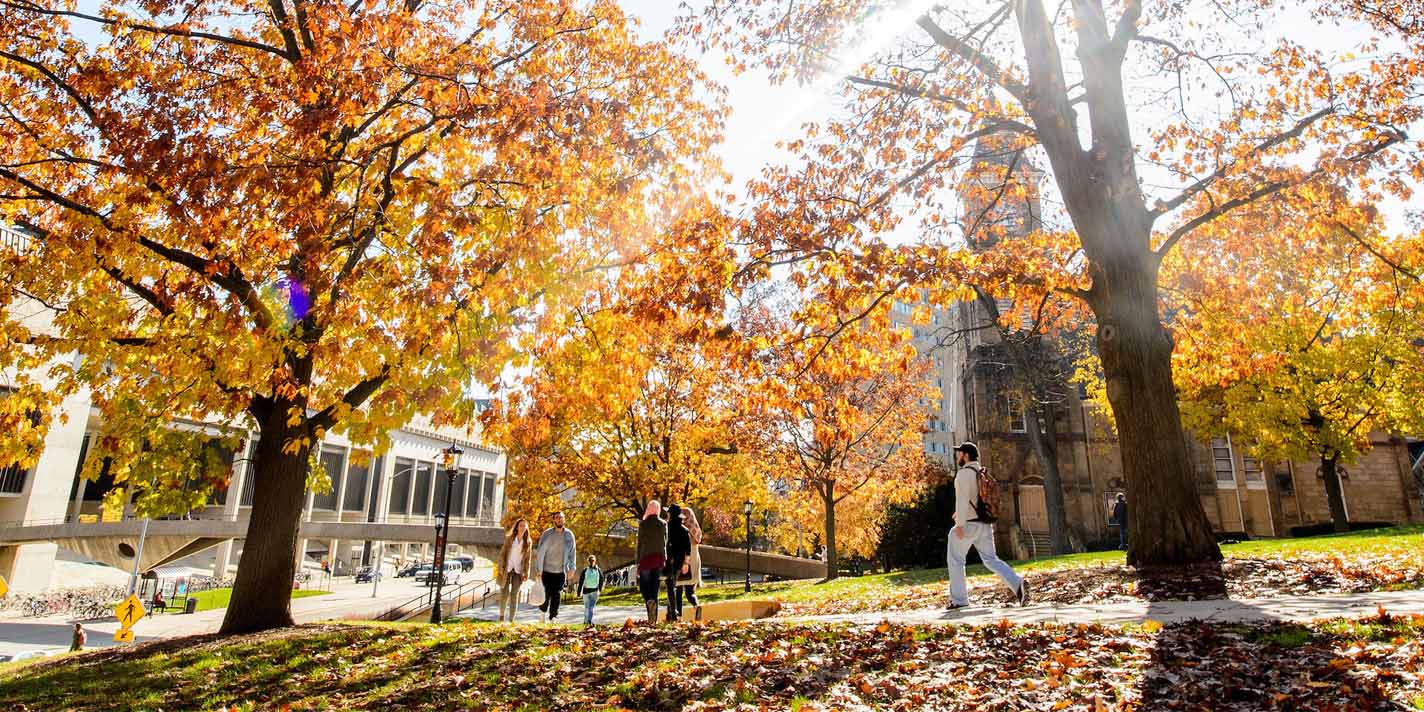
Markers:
451,573
423,572
409,570
467,563
367,573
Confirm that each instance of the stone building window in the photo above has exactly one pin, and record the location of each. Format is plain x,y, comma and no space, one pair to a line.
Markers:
1017,422
1222,463
1251,470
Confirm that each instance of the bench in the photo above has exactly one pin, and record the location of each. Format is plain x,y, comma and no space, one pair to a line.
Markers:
166,606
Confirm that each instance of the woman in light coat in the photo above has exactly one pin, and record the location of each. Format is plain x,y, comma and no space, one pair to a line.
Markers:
513,566
690,579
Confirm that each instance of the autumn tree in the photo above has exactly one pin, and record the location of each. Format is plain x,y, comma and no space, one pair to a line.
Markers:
1151,121
1305,345
305,216
846,415
635,393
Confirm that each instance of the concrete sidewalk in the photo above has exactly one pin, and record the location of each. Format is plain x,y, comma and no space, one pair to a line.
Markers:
1291,608
349,602
345,602
1286,608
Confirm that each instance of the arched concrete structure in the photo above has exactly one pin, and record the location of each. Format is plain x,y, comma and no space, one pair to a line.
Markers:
114,543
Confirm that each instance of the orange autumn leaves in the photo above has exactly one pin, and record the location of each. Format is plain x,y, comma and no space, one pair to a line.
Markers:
346,212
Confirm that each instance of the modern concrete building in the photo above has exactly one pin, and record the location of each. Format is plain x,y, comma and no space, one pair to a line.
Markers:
403,485
932,343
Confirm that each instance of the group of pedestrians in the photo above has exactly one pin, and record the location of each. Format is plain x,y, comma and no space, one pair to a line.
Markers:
668,556
667,552
554,556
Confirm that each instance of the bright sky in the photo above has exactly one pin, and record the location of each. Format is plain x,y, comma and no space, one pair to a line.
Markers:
763,113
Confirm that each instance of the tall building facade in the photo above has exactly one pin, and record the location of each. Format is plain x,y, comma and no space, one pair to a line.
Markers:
931,345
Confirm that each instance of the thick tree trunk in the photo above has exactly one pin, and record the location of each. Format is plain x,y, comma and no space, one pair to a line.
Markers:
1334,492
1043,435
832,563
262,593
1168,525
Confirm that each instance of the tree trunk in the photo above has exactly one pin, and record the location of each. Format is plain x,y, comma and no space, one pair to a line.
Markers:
1334,492
262,593
1168,525
832,563
1043,435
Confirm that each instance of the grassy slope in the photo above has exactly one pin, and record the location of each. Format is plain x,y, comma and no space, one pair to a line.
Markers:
463,666
1378,541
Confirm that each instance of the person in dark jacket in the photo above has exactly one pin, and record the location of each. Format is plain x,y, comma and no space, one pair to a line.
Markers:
590,584
1119,517
652,555
678,550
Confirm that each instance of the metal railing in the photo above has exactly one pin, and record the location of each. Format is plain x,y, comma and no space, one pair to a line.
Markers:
451,601
14,240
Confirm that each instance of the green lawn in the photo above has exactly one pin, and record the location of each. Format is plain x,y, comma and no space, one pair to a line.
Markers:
1377,541
218,597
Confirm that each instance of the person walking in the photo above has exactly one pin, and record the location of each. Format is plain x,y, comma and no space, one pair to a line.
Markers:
590,584
80,638
974,528
1119,517
679,548
690,579
556,556
514,558
652,555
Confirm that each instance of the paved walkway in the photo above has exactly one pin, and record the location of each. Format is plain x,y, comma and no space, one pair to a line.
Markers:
1286,608
1291,608
346,601
349,601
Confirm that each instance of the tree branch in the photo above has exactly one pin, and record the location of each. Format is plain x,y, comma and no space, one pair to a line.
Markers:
1164,207
974,57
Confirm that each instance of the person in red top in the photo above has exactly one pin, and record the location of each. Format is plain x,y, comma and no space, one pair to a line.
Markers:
652,556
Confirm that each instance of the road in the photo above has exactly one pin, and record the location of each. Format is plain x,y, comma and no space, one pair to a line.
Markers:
346,601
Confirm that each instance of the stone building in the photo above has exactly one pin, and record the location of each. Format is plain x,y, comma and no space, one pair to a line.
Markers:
984,403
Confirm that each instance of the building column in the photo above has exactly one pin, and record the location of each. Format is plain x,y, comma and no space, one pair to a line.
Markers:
231,506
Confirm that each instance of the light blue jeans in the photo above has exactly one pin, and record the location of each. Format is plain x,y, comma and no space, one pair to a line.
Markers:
980,537
589,599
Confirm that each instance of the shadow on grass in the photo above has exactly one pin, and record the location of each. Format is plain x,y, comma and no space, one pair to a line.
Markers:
1272,666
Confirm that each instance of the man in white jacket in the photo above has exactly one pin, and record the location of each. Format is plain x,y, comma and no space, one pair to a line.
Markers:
969,531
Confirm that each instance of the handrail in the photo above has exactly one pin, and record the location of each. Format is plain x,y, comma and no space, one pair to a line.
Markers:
427,599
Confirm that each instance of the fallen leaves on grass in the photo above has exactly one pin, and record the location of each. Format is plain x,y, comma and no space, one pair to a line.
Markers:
1244,577
1365,664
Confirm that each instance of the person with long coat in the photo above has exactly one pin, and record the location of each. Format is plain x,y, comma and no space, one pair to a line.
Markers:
690,578
652,556
679,548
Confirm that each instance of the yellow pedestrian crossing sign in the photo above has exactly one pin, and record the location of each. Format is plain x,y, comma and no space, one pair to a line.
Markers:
130,611
123,635
4,587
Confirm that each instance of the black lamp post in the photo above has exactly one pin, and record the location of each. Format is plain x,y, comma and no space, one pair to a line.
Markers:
747,510
448,457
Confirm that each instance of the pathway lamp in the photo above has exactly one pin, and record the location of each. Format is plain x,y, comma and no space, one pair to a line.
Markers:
747,510
448,459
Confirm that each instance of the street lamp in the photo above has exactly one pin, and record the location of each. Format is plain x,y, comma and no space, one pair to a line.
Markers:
747,510
448,457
